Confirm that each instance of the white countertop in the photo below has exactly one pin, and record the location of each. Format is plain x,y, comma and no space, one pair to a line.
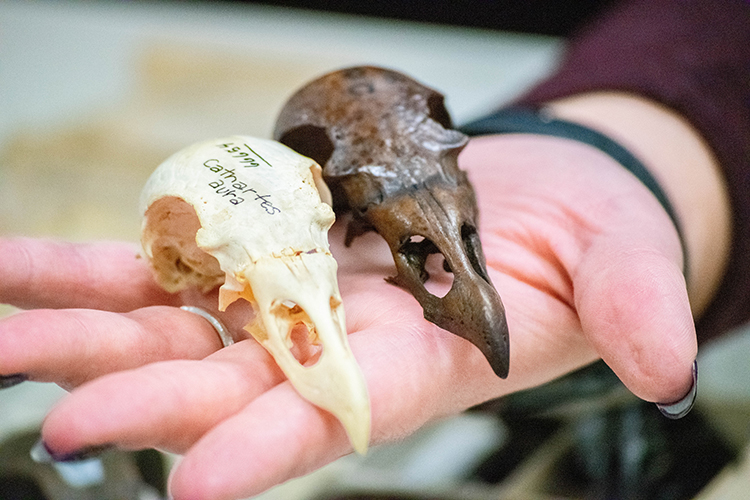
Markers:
61,60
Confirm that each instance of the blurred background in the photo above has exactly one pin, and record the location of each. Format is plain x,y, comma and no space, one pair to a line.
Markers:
94,95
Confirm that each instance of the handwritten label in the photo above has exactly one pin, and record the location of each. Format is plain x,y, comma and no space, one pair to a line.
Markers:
226,184
244,154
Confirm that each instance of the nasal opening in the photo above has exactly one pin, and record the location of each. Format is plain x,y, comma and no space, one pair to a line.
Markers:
432,267
304,342
473,247
305,350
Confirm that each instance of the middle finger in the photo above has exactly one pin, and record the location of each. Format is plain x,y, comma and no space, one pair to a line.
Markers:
167,405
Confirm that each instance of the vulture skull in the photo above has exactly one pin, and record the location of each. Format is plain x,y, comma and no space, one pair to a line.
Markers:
249,214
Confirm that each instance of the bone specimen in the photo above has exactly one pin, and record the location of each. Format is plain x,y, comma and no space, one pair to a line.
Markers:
389,155
249,214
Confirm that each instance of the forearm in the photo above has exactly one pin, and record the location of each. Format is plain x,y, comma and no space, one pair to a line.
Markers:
684,166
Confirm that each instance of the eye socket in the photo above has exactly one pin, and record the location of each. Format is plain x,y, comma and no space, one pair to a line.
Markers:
311,141
438,112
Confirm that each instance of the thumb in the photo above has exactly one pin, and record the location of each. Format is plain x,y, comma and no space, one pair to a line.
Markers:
634,310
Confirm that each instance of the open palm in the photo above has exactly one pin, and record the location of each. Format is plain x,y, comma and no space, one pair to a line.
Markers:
587,262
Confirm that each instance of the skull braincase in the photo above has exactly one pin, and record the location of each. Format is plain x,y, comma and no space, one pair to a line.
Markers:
251,215
389,155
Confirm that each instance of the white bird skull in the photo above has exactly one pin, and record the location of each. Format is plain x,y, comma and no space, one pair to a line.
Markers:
250,215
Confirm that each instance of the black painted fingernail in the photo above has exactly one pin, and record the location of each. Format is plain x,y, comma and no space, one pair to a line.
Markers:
41,453
682,407
11,380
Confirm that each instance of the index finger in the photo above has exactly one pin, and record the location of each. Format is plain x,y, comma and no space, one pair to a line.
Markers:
53,274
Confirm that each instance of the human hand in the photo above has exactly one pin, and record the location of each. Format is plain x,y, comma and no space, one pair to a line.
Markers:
587,263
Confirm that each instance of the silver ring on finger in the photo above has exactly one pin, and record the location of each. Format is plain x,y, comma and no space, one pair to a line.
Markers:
224,335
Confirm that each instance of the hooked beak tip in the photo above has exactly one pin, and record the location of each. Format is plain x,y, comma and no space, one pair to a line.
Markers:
497,349
491,338
500,364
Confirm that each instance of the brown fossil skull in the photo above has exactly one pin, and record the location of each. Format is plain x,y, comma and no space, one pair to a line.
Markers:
390,155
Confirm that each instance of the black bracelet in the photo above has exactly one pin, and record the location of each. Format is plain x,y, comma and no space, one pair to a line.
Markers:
530,121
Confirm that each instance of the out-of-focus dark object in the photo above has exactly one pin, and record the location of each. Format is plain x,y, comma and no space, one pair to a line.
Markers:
390,155
583,437
114,475
544,17
621,448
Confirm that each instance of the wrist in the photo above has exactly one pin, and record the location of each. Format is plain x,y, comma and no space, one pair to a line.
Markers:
684,166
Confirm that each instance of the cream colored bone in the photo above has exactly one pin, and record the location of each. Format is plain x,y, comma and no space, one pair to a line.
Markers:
251,215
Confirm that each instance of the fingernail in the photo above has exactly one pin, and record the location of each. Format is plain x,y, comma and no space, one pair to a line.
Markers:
41,453
79,470
11,380
682,407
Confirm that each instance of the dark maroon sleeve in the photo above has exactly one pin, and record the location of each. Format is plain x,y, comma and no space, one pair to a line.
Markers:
694,57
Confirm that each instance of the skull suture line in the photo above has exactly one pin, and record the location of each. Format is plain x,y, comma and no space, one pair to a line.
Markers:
390,156
249,214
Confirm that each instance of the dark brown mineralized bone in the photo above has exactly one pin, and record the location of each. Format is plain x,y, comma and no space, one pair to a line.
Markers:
389,155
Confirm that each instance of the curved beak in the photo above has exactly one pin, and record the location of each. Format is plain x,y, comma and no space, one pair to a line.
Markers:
303,290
